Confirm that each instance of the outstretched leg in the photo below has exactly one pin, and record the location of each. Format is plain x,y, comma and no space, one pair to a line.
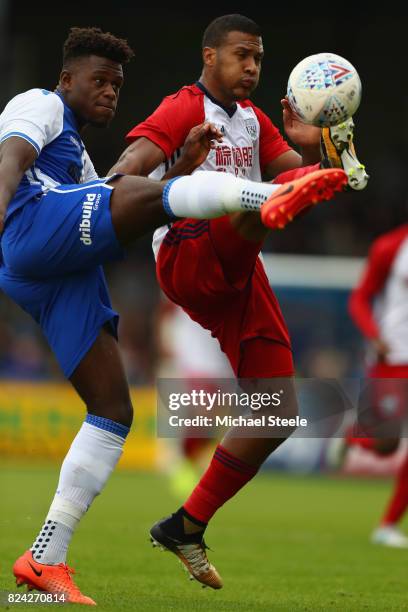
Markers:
100,381
139,205
235,462
74,228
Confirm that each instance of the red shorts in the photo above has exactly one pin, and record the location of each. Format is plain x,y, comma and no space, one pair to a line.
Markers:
196,276
389,392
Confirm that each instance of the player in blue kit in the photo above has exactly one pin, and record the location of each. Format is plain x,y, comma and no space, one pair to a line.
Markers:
60,224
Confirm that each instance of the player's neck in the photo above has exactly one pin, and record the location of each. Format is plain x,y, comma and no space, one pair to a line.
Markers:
216,92
80,123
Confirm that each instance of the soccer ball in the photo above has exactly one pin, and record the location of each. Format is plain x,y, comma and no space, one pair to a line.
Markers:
324,89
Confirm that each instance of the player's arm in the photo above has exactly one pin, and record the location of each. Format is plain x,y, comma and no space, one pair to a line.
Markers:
30,121
275,154
305,137
16,156
140,158
154,140
360,302
143,155
199,142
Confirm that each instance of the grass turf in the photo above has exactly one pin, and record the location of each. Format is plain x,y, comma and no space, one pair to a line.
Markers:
285,543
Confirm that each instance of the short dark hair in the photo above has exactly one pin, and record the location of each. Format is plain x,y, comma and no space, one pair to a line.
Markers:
219,28
82,42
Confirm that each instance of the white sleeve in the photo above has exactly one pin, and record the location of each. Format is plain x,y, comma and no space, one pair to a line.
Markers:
89,172
36,115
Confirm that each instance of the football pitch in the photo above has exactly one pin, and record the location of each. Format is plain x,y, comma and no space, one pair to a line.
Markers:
286,543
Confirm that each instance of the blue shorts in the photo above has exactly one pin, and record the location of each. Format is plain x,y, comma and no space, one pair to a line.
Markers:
53,248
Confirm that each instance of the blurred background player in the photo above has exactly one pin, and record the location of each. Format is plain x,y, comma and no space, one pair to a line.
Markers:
61,223
379,308
212,269
188,351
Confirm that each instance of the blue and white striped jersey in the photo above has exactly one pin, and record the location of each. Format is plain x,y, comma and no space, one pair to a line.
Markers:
43,119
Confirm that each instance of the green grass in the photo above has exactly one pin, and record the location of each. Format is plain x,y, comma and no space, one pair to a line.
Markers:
285,544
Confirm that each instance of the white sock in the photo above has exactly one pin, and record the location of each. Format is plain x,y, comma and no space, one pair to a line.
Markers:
87,466
206,195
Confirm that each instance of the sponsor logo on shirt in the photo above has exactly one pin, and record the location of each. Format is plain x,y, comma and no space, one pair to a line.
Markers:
239,157
90,204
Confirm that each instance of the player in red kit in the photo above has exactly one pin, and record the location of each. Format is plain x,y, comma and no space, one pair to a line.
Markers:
212,269
385,326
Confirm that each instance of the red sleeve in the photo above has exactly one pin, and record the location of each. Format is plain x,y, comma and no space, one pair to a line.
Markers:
375,274
171,122
271,142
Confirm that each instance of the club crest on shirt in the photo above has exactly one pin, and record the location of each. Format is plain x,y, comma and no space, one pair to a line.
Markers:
251,128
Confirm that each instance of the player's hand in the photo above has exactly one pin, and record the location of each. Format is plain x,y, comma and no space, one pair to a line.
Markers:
381,348
301,134
199,142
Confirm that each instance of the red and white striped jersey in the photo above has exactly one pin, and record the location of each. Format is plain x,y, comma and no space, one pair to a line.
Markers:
385,282
250,140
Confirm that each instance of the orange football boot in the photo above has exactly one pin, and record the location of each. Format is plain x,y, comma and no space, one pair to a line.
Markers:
293,197
49,578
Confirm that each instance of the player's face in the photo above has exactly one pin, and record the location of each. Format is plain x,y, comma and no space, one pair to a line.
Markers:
237,64
91,88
